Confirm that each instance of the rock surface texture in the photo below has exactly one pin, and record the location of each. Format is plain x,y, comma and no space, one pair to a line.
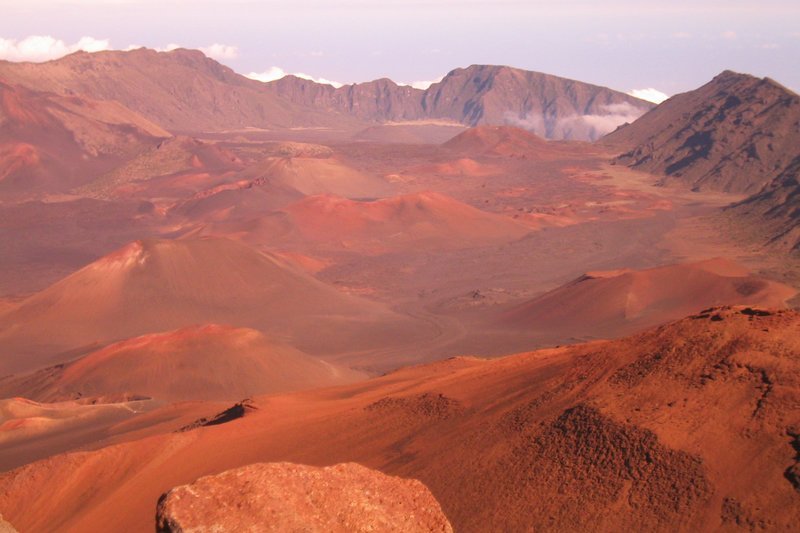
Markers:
290,497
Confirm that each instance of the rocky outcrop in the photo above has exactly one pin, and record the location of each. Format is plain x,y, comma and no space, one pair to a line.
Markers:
290,497
736,133
551,107
184,91
5,527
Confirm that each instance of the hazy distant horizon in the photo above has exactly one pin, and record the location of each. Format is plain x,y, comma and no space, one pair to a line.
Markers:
622,45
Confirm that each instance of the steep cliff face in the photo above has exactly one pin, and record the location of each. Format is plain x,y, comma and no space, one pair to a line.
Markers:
551,107
184,91
735,134
374,101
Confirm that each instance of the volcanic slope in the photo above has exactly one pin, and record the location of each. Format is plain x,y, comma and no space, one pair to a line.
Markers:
241,199
51,143
498,141
322,175
409,222
666,430
209,362
182,90
773,213
186,163
155,285
553,107
615,303
734,134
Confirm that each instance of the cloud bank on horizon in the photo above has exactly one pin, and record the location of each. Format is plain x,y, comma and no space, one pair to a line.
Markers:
622,44
276,73
38,48
649,94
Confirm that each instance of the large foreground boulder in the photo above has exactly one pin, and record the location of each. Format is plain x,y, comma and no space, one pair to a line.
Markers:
5,527
289,497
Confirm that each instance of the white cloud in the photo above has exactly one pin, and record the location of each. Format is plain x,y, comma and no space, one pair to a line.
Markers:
37,48
579,126
769,46
730,35
221,51
276,73
649,94
271,74
45,47
681,35
169,48
423,84
613,115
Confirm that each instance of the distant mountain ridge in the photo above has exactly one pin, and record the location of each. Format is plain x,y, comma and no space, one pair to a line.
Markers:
738,134
185,91
182,90
734,134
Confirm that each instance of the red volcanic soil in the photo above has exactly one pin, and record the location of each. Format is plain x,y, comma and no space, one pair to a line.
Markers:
51,143
289,497
174,161
17,157
414,220
31,430
315,175
423,132
242,199
197,363
183,90
608,304
464,166
498,141
667,430
149,286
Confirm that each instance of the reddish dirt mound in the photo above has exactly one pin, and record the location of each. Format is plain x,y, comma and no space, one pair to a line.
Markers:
420,220
243,199
51,143
608,304
291,497
196,363
151,285
17,157
172,160
670,428
501,141
31,430
587,459
313,175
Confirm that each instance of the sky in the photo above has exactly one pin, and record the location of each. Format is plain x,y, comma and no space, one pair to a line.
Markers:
658,48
